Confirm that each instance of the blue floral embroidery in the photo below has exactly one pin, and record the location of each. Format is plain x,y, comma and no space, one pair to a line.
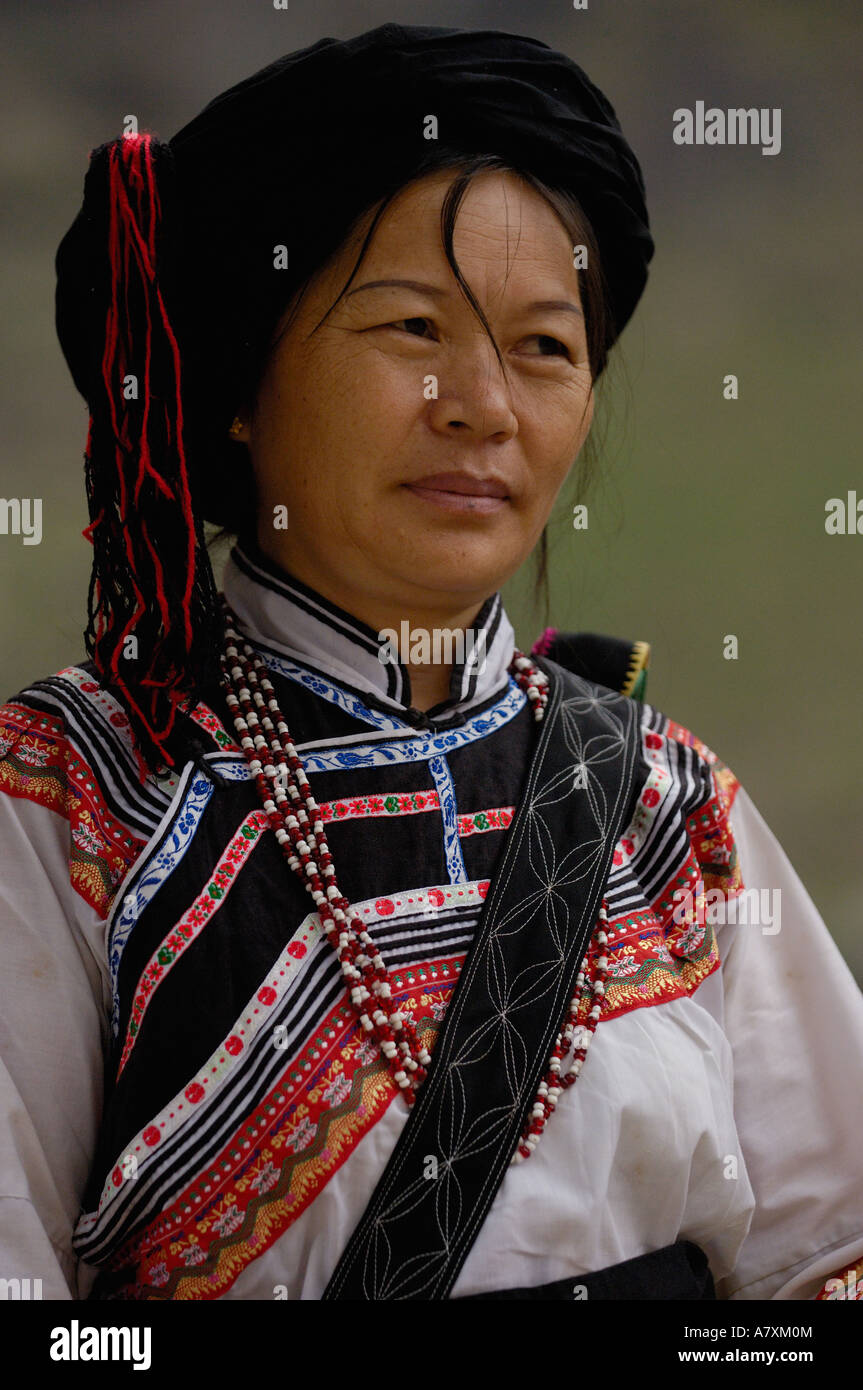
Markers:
439,770
149,877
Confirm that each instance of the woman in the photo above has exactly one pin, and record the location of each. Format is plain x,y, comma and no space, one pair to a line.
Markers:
356,312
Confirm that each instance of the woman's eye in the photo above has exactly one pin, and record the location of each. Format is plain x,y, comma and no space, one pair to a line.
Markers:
416,326
548,346
419,327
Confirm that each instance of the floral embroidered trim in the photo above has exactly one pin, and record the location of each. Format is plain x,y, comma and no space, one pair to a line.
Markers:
208,720
408,804
284,1153
192,923
38,764
477,822
202,1089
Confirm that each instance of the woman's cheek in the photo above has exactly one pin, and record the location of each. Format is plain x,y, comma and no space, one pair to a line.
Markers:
400,383
375,390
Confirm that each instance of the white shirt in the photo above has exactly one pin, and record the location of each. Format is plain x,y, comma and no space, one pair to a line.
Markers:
725,1117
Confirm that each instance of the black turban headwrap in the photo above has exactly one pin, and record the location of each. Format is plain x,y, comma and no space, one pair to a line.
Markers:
169,275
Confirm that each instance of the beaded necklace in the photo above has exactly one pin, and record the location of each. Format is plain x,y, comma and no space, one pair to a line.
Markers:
294,816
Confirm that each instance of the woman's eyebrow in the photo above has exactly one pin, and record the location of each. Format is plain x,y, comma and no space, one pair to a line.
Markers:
418,285
554,304
549,305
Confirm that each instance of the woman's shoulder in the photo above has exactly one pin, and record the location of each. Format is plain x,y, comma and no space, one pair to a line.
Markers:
67,716
621,665
704,785
66,747
657,725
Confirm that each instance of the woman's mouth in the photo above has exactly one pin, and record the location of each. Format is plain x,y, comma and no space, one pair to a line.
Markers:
461,492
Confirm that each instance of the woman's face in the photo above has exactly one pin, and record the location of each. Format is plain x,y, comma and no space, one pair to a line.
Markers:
416,474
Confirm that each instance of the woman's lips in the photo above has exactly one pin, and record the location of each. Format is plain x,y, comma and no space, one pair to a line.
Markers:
461,492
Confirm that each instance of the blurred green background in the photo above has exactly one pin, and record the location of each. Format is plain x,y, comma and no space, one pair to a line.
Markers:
707,517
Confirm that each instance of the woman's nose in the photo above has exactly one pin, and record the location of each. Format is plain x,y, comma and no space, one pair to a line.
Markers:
473,395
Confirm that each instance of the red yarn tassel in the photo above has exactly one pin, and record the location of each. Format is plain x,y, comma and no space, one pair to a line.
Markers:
150,471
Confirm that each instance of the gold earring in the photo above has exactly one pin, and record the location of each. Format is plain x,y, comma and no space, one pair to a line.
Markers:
237,426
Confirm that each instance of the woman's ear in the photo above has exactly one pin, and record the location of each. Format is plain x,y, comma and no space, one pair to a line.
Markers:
240,430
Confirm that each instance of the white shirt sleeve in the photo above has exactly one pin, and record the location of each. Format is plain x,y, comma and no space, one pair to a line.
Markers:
794,1018
54,1011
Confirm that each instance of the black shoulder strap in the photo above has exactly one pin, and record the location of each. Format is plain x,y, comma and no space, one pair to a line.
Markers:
509,1003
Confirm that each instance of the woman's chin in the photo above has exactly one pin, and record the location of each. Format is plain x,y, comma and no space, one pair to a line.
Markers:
465,572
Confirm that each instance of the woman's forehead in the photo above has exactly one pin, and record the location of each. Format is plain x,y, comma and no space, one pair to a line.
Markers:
500,217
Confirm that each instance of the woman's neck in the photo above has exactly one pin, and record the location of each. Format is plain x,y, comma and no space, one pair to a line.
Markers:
428,640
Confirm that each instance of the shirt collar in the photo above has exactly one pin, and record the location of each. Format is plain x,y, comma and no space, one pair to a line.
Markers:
281,614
